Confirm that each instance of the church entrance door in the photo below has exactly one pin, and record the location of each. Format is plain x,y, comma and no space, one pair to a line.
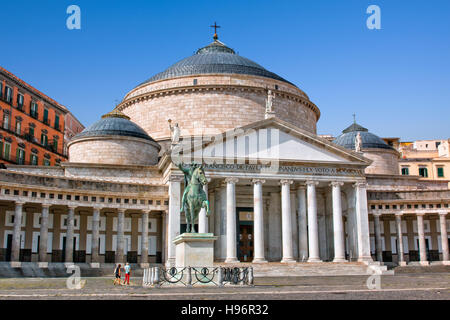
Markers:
246,243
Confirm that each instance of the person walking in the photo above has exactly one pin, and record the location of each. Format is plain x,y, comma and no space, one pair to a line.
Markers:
117,274
127,269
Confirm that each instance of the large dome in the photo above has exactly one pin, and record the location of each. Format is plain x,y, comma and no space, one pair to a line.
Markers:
216,58
213,91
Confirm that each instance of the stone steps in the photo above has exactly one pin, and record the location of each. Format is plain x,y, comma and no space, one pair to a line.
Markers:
274,269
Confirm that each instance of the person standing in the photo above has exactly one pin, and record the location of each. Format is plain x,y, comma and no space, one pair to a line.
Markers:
117,274
127,269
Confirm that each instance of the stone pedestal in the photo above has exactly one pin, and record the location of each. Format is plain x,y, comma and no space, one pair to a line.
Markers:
194,250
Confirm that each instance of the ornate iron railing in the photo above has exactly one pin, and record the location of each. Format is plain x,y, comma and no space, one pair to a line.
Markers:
197,276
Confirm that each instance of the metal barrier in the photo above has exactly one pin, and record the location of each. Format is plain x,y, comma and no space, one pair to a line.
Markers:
197,276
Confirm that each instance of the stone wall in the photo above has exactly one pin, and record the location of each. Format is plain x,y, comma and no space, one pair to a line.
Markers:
216,104
117,150
384,161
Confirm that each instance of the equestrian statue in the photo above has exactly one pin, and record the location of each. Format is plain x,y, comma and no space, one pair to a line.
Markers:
194,197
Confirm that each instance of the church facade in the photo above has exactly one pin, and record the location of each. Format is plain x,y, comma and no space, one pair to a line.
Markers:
278,192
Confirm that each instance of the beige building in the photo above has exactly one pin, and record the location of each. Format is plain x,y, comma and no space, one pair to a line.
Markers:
278,191
429,159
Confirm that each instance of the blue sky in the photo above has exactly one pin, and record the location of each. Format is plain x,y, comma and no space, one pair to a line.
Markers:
396,80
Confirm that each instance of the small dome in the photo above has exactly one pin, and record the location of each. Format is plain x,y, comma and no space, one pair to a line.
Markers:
369,140
114,140
114,123
214,58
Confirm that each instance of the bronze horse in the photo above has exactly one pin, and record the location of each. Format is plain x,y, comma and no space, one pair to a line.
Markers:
194,197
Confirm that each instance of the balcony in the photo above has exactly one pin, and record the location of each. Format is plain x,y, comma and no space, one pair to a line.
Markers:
34,115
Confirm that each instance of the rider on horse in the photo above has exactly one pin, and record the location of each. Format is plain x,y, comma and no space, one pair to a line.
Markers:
187,178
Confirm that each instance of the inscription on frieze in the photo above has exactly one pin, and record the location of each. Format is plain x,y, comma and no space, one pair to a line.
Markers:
286,169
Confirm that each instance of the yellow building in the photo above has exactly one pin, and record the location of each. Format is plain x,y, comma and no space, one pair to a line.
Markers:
429,159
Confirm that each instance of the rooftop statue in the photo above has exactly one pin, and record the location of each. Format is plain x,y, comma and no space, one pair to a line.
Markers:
194,197
269,104
358,142
174,132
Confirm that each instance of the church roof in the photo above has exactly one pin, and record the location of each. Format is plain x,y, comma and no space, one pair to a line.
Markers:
369,140
114,123
212,59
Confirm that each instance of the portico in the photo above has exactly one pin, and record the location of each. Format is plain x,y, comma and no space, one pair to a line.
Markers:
297,206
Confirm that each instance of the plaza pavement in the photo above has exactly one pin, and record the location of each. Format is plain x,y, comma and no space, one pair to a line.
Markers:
410,285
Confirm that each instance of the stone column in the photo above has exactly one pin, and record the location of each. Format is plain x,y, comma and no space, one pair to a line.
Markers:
174,218
400,253
202,218
421,233
286,225
377,227
144,238
444,237
120,252
15,246
95,235
44,233
362,222
258,217
313,227
302,225
231,220
338,223
70,234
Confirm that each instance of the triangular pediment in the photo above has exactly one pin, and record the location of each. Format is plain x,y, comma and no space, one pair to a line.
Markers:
272,139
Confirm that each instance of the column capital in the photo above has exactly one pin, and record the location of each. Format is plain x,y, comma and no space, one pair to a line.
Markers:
19,203
72,207
360,184
420,213
312,183
121,210
398,214
286,181
442,213
97,208
336,184
176,178
376,214
232,180
46,205
254,181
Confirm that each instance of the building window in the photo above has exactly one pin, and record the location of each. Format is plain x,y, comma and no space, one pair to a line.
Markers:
423,172
34,159
1,89
57,122
20,156
44,139
440,172
46,116
18,127
6,121
34,110
46,162
7,150
8,94
405,171
55,145
19,100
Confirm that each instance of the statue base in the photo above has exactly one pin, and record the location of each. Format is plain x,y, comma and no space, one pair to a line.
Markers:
194,250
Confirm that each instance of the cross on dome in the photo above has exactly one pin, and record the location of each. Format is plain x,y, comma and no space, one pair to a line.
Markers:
215,26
